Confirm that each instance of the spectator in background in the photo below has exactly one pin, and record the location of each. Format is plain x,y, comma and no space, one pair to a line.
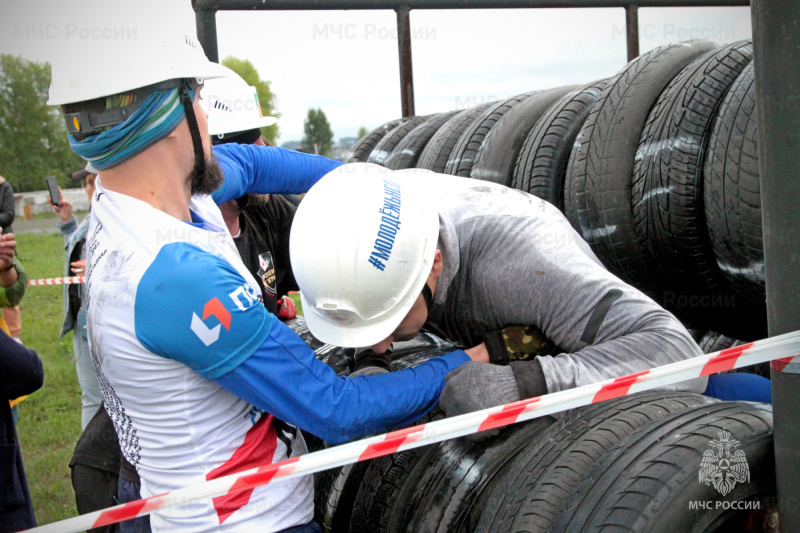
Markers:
7,211
74,294
96,462
259,224
21,373
13,281
7,214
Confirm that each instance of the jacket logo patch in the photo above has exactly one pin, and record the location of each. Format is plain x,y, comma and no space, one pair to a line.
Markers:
267,273
214,308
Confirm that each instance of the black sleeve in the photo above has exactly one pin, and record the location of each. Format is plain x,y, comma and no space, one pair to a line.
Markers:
21,369
6,206
281,216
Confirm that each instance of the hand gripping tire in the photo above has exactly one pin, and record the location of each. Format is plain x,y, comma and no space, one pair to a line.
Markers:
599,175
667,476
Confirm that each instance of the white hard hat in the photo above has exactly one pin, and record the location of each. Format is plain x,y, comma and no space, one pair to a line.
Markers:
362,246
232,105
130,64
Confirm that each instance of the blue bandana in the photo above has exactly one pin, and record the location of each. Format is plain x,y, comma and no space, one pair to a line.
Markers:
159,114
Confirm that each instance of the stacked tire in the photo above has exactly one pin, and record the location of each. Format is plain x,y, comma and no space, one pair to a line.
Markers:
656,168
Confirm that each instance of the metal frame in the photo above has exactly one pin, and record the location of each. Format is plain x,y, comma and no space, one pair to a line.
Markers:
777,78
776,31
205,15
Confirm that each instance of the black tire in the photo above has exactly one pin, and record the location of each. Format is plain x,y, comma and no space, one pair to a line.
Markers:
385,147
540,479
387,486
456,472
436,153
299,326
732,195
335,489
667,190
463,155
364,146
650,481
339,487
697,333
407,153
498,154
542,162
714,342
598,182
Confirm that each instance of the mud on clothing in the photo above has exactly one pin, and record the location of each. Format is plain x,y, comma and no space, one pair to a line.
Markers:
192,367
510,258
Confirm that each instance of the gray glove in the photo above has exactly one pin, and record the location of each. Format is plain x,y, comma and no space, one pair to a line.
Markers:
476,386
368,371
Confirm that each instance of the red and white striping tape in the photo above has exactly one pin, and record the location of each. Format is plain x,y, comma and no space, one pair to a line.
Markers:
781,350
55,281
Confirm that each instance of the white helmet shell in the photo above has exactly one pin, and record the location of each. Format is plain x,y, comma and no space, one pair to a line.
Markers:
232,105
131,65
362,246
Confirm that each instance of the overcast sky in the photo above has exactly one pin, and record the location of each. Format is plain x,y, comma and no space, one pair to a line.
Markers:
346,62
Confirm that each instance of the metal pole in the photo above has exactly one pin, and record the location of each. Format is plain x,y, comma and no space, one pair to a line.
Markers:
632,31
450,4
406,72
206,21
776,40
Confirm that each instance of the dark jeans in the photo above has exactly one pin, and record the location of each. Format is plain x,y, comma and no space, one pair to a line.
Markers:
311,527
94,490
128,491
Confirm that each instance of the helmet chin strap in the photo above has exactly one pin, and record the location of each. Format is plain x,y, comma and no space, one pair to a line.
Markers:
188,106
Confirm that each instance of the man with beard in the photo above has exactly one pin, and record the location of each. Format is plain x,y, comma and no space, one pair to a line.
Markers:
193,369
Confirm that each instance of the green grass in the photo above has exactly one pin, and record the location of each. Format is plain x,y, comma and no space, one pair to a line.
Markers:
44,216
50,419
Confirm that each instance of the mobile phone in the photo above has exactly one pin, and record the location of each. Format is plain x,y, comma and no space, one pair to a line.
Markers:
55,193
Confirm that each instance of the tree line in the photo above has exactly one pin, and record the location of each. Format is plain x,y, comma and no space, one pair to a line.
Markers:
33,136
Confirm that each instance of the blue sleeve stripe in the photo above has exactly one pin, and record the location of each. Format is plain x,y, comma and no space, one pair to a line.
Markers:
245,351
284,378
196,308
253,169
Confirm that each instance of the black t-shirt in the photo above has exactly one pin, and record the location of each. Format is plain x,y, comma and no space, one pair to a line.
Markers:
74,289
98,445
263,245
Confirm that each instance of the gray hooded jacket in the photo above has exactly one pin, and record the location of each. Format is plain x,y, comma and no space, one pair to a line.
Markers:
510,258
